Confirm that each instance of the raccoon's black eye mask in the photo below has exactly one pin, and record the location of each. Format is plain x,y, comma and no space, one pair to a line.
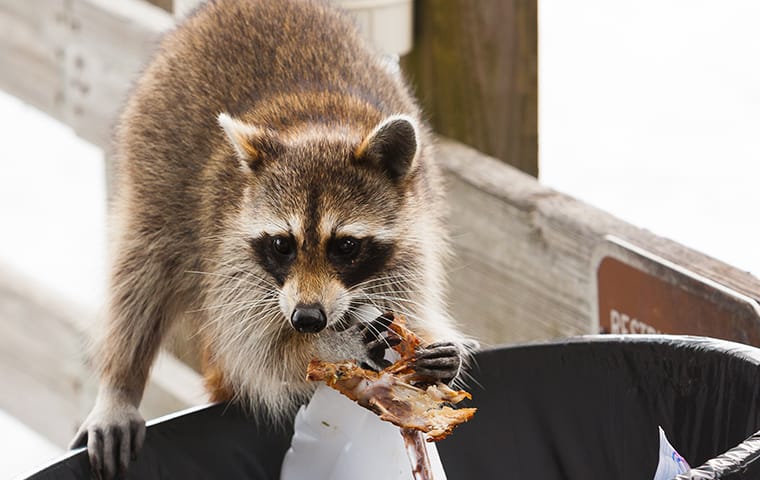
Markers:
276,254
354,259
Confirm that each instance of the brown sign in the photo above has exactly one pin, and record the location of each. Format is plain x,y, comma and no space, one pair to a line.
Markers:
655,297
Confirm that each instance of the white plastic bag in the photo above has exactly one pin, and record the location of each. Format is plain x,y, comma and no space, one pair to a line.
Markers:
671,463
336,439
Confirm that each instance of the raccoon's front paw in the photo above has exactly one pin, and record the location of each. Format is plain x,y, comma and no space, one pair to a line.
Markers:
113,433
376,341
438,362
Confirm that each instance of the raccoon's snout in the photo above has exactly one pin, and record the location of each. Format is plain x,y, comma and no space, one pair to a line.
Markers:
309,318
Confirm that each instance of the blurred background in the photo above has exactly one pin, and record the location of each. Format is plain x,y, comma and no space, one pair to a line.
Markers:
647,110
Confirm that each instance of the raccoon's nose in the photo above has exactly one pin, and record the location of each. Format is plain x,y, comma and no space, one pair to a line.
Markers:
309,318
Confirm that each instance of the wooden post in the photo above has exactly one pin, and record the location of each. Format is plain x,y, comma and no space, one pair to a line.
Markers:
475,69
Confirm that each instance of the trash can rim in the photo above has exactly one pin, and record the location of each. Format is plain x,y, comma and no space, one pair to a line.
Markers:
743,351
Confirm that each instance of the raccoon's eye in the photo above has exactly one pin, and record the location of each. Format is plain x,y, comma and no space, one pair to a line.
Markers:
346,247
283,246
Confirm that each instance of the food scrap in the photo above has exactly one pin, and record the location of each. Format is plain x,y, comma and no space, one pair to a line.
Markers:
394,394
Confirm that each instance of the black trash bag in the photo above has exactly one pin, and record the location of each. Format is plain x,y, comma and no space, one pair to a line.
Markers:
589,408
582,409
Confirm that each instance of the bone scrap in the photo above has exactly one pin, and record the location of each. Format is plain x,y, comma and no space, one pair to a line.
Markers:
394,394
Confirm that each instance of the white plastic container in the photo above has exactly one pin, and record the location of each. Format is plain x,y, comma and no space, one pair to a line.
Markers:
386,23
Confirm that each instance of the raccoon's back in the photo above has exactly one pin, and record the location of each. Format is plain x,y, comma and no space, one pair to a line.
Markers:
232,54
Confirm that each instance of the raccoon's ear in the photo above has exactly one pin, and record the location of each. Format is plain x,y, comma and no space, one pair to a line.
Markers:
392,146
252,144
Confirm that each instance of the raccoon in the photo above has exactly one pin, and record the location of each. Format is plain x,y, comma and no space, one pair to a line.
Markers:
274,178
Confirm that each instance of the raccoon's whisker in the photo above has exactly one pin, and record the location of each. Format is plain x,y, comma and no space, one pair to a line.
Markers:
243,286
241,279
237,286
216,274
400,309
373,329
231,294
371,301
398,279
261,279
251,325
382,286
248,305
394,299
225,313
384,296
235,269
259,302
405,292
235,303
237,315
254,320
386,278
220,317
270,321
465,378
377,333
387,288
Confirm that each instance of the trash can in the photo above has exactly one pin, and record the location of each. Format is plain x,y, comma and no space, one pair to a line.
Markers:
580,409
589,408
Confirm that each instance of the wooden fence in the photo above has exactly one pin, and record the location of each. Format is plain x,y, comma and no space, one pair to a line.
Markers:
526,256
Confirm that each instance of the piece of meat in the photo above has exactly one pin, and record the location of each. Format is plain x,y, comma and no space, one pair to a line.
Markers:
393,393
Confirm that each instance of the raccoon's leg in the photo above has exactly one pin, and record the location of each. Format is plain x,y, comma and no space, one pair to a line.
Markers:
139,314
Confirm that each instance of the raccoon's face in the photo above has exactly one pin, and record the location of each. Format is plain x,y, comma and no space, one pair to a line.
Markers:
326,217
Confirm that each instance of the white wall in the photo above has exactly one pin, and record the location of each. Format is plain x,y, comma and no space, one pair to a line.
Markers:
651,110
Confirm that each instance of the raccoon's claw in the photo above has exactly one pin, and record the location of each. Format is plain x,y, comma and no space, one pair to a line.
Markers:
376,343
438,362
112,437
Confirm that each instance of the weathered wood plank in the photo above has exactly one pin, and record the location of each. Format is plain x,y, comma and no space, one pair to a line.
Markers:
106,49
46,382
75,59
30,59
525,253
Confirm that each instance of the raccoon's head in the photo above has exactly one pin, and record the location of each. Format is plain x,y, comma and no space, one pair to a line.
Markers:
332,216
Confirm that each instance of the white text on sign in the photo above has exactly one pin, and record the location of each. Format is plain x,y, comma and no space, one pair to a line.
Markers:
621,323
